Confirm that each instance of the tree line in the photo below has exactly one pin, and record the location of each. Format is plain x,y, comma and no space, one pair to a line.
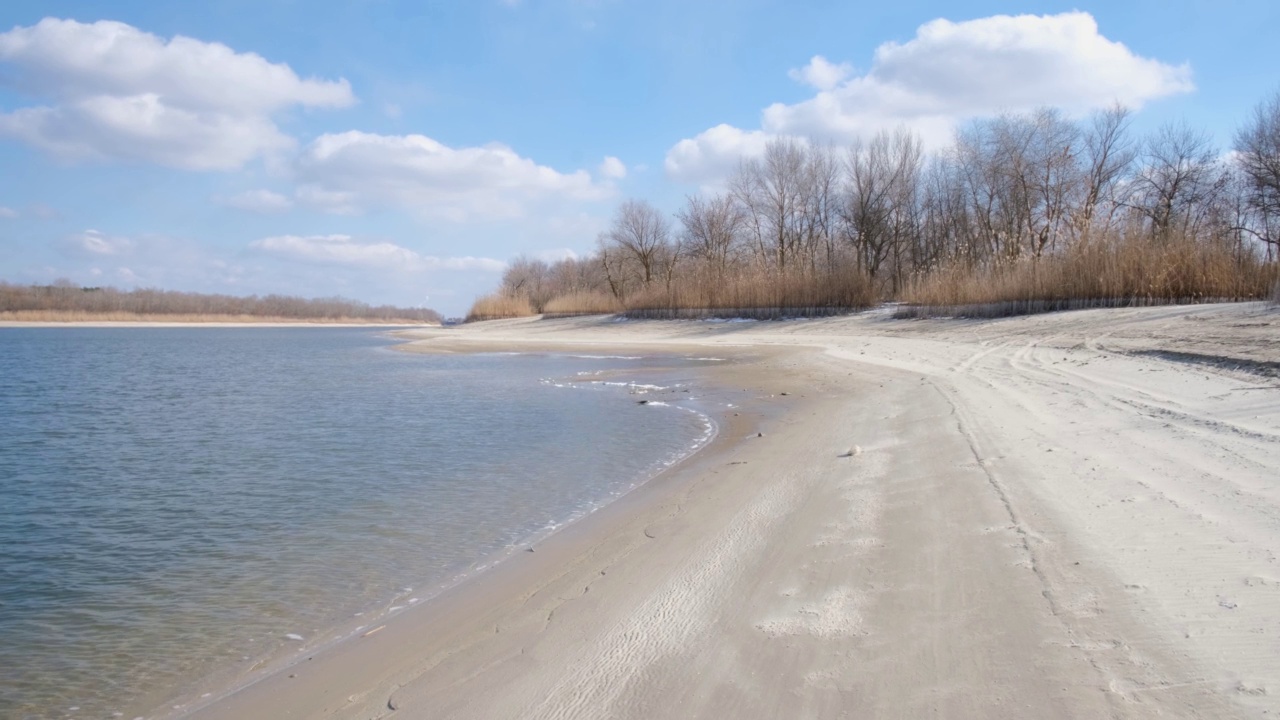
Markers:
1023,206
64,298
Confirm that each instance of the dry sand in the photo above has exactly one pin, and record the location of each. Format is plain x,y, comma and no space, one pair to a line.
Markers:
1070,515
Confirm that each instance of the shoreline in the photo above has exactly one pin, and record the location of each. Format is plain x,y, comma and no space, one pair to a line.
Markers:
197,324
1026,517
210,694
512,569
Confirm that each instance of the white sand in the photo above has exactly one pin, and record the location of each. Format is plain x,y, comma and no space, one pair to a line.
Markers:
1040,518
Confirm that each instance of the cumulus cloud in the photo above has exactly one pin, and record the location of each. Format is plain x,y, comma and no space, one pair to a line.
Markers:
119,93
346,250
821,73
257,201
947,73
355,169
613,168
713,153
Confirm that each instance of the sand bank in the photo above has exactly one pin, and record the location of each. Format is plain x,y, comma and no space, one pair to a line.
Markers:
1069,515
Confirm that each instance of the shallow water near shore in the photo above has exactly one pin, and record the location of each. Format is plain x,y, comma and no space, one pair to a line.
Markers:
181,506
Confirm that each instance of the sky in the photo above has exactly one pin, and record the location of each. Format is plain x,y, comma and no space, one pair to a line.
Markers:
403,152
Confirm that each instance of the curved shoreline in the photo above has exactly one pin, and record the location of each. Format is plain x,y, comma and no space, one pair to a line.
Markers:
1012,518
210,694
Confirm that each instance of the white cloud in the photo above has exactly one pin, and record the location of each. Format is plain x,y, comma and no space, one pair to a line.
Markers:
257,201
332,202
555,255
713,153
345,250
119,93
613,168
356,169
6,212
821,73
947,73
97,243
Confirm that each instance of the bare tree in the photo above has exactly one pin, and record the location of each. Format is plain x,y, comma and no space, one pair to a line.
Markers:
642,232
883,179
1108,155
1176,179
1053,179
770,190
710,229
819,206
528,278
1258,156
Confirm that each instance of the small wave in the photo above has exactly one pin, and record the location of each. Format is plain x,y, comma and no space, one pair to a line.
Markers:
632,385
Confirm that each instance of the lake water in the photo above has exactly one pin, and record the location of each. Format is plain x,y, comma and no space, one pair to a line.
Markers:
179,506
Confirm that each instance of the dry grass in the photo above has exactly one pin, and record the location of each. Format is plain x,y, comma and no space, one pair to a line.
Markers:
71,316
756,294
499,306
65,300
1103,274
582,303
742,294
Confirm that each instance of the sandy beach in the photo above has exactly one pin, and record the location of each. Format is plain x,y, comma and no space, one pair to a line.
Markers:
1068,515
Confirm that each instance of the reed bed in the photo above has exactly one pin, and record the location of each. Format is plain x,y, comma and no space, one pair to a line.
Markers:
499,306
64,301
754,294
582,303
1118,273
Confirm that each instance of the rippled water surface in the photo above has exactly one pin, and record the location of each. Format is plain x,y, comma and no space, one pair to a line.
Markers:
179,505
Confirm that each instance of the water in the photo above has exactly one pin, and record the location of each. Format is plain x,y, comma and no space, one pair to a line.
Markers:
178,506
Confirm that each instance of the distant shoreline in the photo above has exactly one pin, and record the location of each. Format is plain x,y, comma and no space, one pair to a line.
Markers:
7,320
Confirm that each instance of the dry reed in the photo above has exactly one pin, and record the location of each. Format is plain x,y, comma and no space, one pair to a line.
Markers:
1117,272
582,303
756,294
499,306
65,300
745,293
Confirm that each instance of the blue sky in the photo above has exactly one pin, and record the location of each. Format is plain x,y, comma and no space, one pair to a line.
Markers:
401,152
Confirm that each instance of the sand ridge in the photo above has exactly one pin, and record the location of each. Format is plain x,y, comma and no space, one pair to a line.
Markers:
1069,515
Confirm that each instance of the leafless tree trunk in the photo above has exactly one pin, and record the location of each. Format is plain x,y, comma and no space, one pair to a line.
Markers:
641,231
1175,180
1109,153
770,188
1258,156
710,229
